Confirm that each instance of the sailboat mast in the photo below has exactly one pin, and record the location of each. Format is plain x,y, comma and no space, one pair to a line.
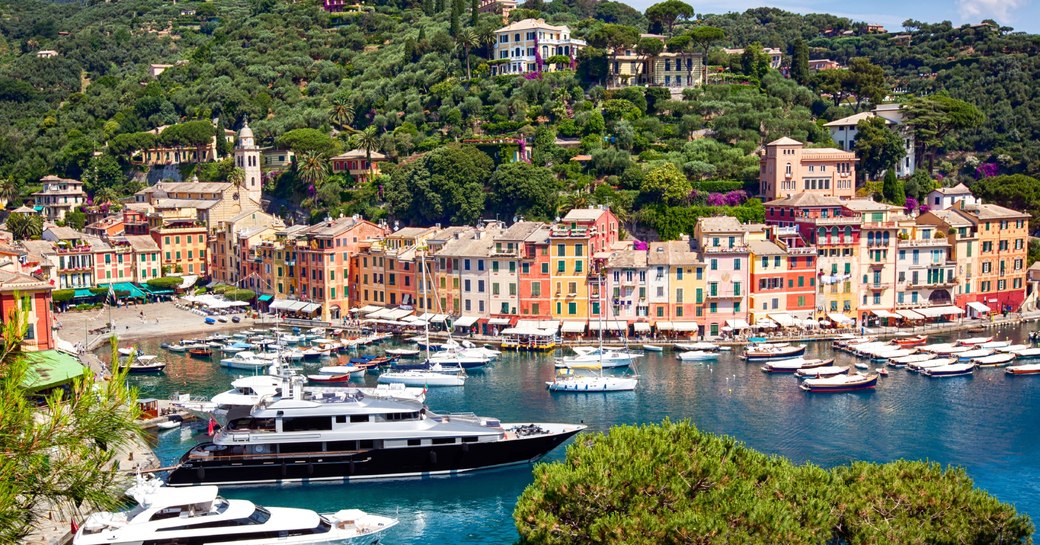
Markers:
425,299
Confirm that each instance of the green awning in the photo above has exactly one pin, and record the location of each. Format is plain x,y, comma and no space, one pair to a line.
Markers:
133,292
265,298
154,291
83,292
50,368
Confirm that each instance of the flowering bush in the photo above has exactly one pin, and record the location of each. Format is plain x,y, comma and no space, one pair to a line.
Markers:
731,198
911,205
987,170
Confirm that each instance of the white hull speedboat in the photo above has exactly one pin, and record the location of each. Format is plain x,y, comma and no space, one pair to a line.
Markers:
995,360
928,364
697,346
653,348
198,515
403,352
820,372
697,355
423,377
245,360
952,370
580,384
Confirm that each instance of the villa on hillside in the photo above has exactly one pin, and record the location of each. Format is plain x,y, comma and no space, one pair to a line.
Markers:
666,69
787,168
525,46
843,132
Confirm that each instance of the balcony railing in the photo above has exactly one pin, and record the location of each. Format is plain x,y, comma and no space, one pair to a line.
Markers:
725,249
839,220
923,242
718,295
945,283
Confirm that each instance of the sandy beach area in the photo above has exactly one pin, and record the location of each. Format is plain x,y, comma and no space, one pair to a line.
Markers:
141,322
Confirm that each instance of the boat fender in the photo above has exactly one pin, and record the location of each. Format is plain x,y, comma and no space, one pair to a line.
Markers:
433,458
310,469
200,473
465,448
284,470
351,468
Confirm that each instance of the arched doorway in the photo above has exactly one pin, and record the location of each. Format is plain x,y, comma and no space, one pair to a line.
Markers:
940,297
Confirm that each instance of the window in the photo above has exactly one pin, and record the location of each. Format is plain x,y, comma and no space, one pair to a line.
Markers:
545,268
578,249
572,308
561,250
714,264
577,266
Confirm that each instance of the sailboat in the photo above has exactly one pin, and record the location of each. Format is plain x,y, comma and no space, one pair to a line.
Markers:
437,374
566,380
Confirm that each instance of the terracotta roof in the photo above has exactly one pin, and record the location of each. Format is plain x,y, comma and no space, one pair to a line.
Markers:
65,233
673,252
519,231
142,243
360,154
12,281
785,141
720,224
992,212
331,228
807,199
952,217
584,214
627,259
959,189
765,247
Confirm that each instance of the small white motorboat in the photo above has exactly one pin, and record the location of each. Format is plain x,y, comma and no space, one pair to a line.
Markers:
1027,369
974,341
403,352
820,372
917,367
653,348
697,355
169,424
994,360
697,346
952,370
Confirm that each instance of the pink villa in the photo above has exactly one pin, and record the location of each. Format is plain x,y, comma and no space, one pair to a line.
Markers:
723,244
355,162
787,168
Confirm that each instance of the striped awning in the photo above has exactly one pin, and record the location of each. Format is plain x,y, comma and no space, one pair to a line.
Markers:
909,315
641,327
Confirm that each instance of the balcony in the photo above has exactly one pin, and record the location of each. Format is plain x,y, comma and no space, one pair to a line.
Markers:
834,241
840,220
932,284
726,249
806,250
917,243
561,231
717,295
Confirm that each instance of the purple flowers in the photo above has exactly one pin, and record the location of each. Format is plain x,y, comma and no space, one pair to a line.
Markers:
911,205
987,170
533,75
732,198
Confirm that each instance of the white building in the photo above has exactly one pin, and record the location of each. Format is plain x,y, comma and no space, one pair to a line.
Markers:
945,197
843,132
59,196
520,45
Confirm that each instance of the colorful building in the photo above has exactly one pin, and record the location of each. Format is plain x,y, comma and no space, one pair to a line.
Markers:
787,168
572,243
355,163
183,242
676,271
525,46
723,245
32,296
58,197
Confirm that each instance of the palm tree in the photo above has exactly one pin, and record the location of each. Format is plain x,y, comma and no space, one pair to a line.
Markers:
8,191
25,226
487,38
312,169
467,40
342,115
237,177
369,140
571,201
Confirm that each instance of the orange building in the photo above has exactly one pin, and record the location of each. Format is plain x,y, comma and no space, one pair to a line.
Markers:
182,242
34,296
1000,269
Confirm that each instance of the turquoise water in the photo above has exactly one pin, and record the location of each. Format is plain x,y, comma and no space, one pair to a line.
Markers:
986,423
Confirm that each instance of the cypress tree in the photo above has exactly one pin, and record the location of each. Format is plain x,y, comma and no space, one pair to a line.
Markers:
456,13
800,62
474,12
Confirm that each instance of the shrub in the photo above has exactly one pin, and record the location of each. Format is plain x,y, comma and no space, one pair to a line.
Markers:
165,282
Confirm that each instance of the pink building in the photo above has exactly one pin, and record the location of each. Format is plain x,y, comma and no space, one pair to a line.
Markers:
723,244
787,168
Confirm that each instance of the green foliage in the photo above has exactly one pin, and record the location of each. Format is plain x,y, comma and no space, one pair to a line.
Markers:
719,186
754,62
672,221
877,146
934,117
1014,191
522,189
671,483
165,282
62,296
76,220
918,185
666,184
444,186
309,141
665,14
800,63
239,295
24,226
892,189
1034,252
60,455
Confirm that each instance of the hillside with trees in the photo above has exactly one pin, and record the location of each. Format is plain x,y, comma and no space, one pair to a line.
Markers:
408,78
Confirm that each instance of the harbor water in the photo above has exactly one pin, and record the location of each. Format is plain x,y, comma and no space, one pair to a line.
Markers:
986,423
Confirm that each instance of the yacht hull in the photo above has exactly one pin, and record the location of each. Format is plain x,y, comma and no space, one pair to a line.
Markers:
380,463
